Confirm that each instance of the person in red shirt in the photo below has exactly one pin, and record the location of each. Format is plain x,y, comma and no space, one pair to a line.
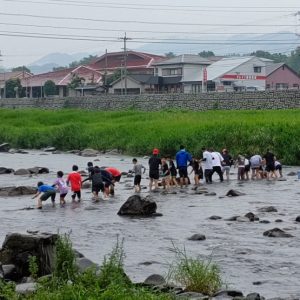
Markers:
116,176
74,180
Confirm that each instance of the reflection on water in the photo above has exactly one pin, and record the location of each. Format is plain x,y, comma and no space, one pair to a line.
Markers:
244,254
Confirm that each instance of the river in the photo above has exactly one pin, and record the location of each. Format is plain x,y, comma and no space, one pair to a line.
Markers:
243,253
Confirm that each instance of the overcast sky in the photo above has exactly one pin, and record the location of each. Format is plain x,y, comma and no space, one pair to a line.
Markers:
102,22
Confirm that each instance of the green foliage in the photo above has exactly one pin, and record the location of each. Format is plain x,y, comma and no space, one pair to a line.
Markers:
50,88
194,274
113,77
13,88
21,69
33,267
170,55
65,268
137,133
7,291
75,82
206,53
84,61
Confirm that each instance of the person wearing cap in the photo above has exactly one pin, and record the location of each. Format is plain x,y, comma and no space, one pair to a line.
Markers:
182,159
154,163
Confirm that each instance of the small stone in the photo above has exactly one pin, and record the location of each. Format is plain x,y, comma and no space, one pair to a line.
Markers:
231,293
197,237
278,221
233,218
155,279
252,217
210,194
298,219
264,221
215,218
234,193
242,219
254,296
276,232
84,263
291,174
49,149
268,209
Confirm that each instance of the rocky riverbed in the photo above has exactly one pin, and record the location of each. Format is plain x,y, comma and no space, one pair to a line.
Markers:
250,260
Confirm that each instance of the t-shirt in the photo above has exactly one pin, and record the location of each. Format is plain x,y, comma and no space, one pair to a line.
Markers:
106,176
208,163
165,169
255,161
182,158
75,180
62,186
137,169
217,159
227,159
269,157
45,188
113,171
154,162
96,179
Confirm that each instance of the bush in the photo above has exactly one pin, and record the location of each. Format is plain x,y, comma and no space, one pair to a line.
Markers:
194,274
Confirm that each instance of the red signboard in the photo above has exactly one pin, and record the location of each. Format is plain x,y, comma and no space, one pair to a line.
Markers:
204,74
244,77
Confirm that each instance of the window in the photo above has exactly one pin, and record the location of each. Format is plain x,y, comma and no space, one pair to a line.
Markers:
173,71
227,83
296,86
282,86
257,69
268,86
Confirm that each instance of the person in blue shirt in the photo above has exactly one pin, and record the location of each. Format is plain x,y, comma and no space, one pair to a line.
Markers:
182,159
47,191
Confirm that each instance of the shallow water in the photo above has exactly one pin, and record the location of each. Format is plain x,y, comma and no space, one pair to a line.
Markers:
243,253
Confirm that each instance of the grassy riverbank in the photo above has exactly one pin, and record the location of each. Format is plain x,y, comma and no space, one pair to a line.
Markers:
136,133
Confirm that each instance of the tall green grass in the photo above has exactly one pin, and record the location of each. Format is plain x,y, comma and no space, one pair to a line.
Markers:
136,133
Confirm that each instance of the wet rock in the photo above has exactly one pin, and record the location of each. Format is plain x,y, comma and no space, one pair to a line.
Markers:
4,147
234,193
9,272
298,219
84,264
17,248
276,232
268,209
57,152
74,152
242,219
228,293
291,174
38,170
113,152
89,153
138,206
257,283
252,217
148,263
215,218
6,170
278,221
233,218
191,296
210,194
155,279
197,237
22,172
254,296
17,191
49,149
201,192
26,288
264,221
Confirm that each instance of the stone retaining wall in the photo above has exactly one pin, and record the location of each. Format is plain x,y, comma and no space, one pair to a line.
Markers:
209,101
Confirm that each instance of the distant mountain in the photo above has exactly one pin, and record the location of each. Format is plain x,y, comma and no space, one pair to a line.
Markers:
48,62
237,44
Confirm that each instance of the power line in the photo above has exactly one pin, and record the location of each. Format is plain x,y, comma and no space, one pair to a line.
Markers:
141,31
143,7
142,22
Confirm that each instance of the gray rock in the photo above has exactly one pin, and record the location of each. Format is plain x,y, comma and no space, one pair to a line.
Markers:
17,191
4,147
233,218
155,279
197,237
278,221
74,152
38,170
6,170
49,149
210,194
228,293
252,217
215,218
138,206
276,232
264,221
268,209
234,193
9,272
254,296
298,219
89,153
57,152
191,296
242,219
26,288
22,172
291,174
84,263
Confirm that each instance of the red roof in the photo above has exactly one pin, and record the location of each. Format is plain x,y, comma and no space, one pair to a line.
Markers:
115,60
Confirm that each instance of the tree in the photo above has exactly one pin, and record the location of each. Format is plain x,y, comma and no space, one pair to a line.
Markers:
83,61
75,82
21,69
170,55
293,61
276,57
49,88
206,54
113,77
58,68
13,88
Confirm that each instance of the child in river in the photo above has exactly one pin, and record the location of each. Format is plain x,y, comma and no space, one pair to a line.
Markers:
173,173
62,187
165,174
75,180
137,170
47,191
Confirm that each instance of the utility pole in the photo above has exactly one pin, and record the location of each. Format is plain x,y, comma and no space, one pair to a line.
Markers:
297,15
105,73
4,80
125,39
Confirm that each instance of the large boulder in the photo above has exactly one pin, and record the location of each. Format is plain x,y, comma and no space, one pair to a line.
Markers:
154,280
276,232
38,170
138,206
18,248
268,209
89,153
4,147
22,172
6,170
17,191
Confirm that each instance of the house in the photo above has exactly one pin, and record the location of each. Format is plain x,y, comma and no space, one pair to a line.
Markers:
183,73
136,62
5,76
281,77
85,76
246,73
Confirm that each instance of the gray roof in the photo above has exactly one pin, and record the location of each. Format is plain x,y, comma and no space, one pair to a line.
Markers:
185,59
270,68
172,80
142,78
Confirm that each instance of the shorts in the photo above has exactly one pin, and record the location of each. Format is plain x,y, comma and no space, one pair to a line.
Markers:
48,194
183,172
226,169
117,178
97,187
76,193
62,196
247,168
270,168
137,179
154,175
278,167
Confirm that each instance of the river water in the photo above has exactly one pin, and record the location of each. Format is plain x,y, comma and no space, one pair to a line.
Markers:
243,253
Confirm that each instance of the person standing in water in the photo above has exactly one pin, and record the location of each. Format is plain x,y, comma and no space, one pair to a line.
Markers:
154,163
